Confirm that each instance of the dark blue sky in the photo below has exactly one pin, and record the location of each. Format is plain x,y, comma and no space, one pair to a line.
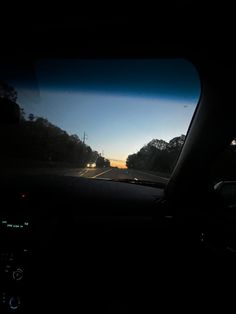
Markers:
149,78
120,104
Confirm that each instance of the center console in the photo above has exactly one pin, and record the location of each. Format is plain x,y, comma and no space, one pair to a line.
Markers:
15,264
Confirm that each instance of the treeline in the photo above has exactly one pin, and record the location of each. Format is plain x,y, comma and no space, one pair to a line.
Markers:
157,155
36,139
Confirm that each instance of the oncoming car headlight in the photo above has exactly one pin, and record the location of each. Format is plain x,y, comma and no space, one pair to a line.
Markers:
91,165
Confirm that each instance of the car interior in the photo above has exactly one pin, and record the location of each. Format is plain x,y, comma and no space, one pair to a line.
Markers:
78,245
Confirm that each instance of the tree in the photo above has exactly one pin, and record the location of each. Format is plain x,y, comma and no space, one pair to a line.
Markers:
37,139
157,155
107,163
100,162
94,156
7,91
22,114
31,117
10,110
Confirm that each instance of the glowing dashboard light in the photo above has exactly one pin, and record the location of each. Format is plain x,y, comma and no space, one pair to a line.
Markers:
23,195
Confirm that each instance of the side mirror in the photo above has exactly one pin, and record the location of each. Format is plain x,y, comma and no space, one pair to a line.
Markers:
9,112
227,190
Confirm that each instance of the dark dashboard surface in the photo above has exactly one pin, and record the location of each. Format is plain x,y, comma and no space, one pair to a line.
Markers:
79,244
66,235
69,197
78,188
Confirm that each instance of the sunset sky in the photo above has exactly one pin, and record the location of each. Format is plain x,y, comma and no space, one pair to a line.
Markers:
120,104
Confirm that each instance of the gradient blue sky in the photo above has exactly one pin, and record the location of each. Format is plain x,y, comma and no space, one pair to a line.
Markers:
120,104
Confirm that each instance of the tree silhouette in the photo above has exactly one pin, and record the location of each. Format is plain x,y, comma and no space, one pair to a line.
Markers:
157,155
31,117
7,91
38,140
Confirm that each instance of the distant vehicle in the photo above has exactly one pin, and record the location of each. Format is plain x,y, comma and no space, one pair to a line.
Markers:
91,165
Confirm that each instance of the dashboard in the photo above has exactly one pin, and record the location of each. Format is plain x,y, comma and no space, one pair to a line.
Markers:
15,251
48,222
77,243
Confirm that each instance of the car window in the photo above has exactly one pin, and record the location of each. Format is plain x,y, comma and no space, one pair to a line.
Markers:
101,119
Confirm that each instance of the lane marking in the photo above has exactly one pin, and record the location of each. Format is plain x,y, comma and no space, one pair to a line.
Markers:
101,174
82,173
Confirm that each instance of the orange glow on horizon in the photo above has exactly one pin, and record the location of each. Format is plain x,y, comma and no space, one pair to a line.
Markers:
118,163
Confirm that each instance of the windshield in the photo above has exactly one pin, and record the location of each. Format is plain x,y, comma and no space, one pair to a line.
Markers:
101,119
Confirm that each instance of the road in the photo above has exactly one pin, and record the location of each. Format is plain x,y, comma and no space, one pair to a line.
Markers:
117,174
97,173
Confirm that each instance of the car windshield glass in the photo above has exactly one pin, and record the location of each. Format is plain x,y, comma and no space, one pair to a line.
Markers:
102,119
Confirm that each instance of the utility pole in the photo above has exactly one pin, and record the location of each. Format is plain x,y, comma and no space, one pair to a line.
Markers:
85,137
